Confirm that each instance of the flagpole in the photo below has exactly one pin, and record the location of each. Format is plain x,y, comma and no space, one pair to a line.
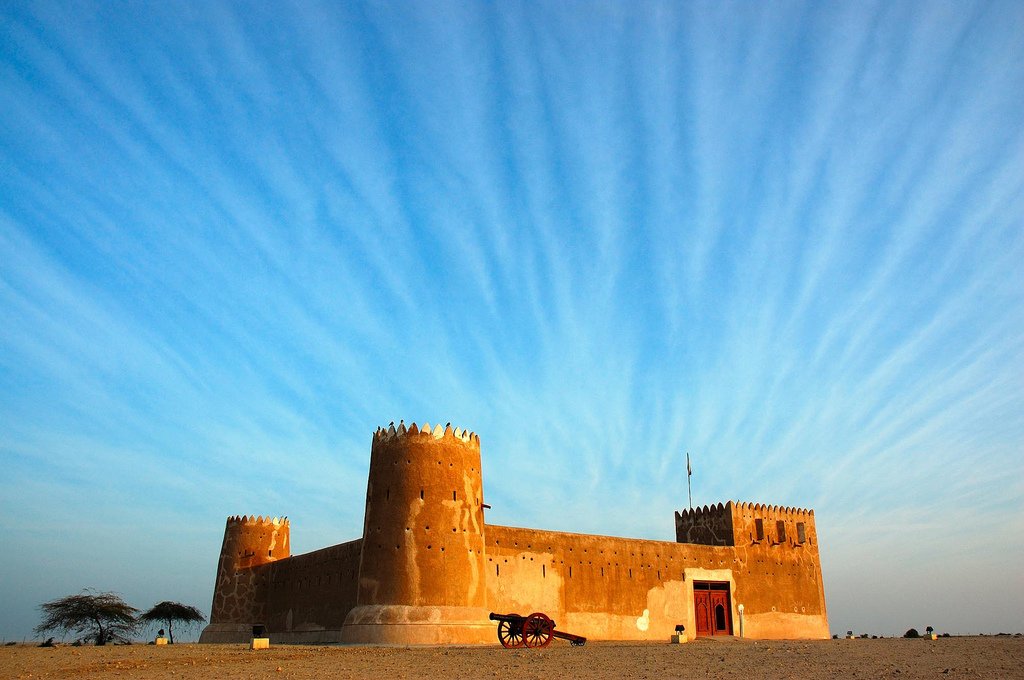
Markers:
689,473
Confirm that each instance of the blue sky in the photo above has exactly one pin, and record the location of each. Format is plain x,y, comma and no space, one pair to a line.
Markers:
784,237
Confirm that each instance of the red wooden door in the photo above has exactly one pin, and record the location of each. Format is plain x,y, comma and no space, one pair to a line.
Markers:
711,609
702,611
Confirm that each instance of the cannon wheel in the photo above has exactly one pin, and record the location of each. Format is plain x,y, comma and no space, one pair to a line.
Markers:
510,633
537,630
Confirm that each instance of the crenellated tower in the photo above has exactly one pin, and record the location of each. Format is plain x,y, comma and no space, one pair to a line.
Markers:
240,592
421,571
775,550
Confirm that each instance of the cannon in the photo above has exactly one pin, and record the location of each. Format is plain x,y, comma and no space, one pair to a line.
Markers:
533,631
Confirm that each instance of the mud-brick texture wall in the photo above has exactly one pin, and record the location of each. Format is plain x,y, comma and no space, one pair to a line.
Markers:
597,586
781,588
620,588
309,596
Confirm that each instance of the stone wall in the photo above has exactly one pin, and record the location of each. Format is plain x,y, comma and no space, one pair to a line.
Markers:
620,588
310,595
428,569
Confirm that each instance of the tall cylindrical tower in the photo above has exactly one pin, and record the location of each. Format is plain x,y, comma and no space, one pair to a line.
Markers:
421,574
239,595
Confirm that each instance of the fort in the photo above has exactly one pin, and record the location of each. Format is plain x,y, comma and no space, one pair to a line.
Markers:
428,569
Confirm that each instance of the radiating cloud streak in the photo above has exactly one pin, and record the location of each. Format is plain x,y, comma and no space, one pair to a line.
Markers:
786,238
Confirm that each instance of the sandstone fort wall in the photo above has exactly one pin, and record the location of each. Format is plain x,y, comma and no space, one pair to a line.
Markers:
428,569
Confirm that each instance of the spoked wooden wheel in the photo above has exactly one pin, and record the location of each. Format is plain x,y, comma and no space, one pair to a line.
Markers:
537,630
510,633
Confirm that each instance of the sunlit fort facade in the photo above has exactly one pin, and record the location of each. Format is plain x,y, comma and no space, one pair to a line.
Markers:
429,569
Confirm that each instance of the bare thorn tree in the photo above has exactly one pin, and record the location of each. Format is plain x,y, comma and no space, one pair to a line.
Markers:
101,617
169,612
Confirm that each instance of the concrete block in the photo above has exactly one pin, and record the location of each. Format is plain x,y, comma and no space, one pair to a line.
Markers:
260,643
677,639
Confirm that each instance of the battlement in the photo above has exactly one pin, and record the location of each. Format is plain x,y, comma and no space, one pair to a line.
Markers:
715,510
723,524
257,520
755,523
437,432
707,525
779,511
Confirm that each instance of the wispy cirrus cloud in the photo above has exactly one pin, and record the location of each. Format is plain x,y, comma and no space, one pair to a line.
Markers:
784,238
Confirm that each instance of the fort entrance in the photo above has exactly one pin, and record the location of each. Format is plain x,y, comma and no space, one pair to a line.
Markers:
711,608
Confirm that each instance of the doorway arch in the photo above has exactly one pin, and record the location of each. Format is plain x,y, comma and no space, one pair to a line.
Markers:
711,608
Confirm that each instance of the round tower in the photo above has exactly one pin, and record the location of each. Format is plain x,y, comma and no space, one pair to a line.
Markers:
239,594
421,573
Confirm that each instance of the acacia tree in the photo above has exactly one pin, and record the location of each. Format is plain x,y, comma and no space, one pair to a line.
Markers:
169,612
101,617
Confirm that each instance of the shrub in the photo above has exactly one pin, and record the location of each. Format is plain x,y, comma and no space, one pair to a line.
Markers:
912,633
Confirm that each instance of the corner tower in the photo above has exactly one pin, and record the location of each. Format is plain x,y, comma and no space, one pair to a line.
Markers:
240,592
421,570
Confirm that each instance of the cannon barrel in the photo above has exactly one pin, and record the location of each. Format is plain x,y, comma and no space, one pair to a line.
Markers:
511,618
505,617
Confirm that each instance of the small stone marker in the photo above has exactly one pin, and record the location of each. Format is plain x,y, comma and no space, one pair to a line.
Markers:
260,643
676,639
160,641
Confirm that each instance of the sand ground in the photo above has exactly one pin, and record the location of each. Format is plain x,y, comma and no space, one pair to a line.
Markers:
959,657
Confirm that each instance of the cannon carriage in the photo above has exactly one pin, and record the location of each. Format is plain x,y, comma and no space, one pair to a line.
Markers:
531,632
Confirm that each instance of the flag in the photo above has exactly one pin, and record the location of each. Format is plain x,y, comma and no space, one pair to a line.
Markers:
689,470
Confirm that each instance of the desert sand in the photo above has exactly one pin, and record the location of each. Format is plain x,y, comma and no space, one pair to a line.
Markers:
958,657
